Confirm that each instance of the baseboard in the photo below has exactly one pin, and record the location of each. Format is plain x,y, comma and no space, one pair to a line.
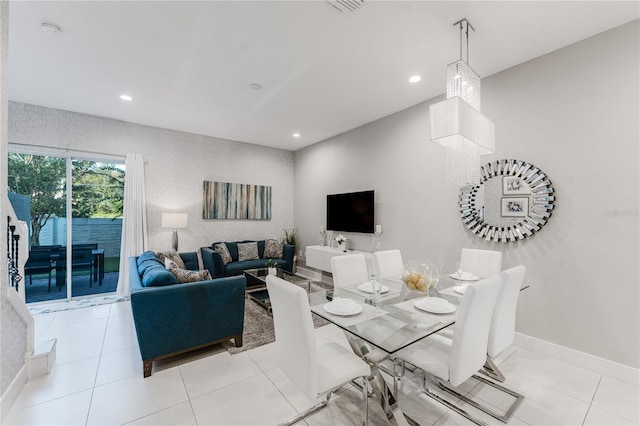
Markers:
37,364
621,372
12,392
41,362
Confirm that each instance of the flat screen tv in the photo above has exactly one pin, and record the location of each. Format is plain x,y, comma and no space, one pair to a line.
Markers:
351,212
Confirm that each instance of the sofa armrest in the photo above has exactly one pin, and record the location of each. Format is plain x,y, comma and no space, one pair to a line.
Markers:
173,318
288,252
212,261
190,260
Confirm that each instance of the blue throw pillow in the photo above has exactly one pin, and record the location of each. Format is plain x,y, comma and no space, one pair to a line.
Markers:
147,259
146,256
158,276
142,268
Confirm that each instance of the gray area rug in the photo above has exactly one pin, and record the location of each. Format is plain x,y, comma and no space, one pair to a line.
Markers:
258,327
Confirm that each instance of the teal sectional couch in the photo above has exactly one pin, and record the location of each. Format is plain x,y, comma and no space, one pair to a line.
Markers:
213,261
172,318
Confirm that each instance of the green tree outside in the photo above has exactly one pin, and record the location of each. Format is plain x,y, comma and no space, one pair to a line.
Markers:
97,188
43,179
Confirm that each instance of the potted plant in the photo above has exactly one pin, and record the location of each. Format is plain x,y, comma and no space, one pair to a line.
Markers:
291,238
341,240
272,266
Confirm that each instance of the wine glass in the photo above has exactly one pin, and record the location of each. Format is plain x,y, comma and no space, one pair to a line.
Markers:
459,269
376,287
440,264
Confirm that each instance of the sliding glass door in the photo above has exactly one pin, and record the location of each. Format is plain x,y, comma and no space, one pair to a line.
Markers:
97,194
37,191
73,210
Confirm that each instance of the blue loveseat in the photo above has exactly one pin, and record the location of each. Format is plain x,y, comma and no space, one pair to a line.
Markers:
212,260
173,318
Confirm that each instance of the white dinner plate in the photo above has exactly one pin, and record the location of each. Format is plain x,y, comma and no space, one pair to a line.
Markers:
368,288
460,289
433,306
342,309
466,276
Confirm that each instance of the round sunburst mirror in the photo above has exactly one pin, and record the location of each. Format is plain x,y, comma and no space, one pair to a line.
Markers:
513,201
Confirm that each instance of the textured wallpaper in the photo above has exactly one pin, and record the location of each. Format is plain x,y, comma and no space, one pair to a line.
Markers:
13,330
14,342
176,165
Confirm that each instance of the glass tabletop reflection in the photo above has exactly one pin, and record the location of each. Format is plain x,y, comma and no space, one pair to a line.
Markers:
392,325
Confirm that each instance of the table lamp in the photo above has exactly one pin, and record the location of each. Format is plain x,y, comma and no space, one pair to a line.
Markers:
175,221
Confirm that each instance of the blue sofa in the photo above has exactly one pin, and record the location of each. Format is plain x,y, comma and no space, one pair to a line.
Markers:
212,260
174,318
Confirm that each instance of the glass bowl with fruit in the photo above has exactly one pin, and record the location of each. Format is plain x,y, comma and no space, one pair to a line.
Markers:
420,276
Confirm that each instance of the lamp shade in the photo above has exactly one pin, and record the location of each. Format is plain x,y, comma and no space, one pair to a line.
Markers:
174,220
454,117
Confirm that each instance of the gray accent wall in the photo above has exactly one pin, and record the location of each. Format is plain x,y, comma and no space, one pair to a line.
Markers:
574,114
176,164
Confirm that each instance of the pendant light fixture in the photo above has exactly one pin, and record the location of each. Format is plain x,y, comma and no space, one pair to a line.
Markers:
457,123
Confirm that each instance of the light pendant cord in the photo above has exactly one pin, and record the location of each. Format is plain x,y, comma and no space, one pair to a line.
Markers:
461,23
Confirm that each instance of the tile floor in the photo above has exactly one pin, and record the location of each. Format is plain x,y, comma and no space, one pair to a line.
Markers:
97,380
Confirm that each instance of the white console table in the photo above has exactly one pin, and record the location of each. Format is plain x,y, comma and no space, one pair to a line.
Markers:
319,257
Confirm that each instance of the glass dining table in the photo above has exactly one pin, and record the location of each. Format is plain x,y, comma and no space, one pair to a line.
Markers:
399,320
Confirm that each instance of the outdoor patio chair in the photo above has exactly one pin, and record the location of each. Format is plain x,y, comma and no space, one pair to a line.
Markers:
82,260
39,263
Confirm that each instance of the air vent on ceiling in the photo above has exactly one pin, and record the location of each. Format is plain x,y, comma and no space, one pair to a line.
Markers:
349,6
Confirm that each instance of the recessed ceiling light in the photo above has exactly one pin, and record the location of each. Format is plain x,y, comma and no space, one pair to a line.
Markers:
126,98
296,135
255,86
414,79
50,28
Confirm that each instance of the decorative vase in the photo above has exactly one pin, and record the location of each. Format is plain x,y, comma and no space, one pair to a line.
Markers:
273,271
342,246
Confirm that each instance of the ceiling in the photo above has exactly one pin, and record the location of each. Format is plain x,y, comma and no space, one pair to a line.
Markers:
189,65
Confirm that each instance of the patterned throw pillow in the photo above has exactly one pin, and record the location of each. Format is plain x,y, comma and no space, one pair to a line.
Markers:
173,255
224,252
168,264
273,249
248,251
186,276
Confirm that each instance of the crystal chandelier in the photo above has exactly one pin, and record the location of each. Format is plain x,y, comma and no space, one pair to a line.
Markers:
457,123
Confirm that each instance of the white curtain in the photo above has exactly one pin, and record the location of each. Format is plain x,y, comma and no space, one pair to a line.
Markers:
134,221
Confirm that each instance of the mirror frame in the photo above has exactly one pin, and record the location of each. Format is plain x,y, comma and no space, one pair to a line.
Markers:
542,202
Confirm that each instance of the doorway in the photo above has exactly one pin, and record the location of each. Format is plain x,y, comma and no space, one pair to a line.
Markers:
73,209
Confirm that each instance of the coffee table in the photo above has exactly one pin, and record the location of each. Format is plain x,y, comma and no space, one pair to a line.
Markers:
259,293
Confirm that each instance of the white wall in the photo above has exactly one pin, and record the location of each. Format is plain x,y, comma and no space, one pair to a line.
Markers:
574,114
13,330
176,164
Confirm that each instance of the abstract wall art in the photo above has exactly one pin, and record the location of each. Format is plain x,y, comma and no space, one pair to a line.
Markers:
223,200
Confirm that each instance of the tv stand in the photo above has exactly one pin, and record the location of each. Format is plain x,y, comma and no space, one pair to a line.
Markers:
319,257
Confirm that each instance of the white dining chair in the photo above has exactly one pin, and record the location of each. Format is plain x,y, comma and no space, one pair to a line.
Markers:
349,269
456,360
501,335
316,368
482,263
503,322
388,263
